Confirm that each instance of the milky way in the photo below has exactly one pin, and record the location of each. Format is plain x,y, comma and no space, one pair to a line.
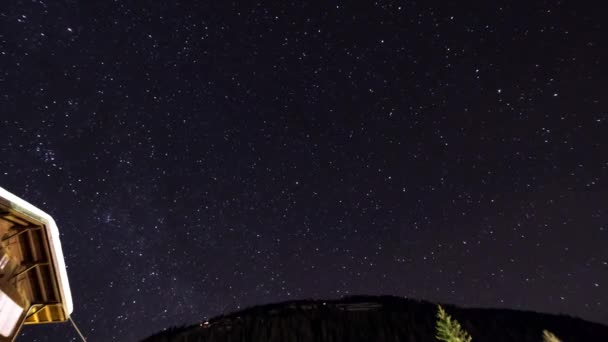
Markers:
202,158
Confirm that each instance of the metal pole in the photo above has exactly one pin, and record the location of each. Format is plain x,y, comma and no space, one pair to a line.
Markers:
77,330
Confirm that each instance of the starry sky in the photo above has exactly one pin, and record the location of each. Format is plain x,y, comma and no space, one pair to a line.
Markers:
201,157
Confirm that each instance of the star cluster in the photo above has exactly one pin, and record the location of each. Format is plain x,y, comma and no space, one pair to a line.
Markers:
202,157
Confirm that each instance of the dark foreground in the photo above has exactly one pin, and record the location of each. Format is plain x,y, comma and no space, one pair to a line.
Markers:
377,319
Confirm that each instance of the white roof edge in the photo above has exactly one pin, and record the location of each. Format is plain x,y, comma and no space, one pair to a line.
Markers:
56,251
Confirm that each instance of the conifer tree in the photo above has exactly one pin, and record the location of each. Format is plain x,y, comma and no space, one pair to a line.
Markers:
550,337
449,330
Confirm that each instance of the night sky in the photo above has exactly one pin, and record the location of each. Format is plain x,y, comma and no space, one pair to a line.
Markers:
202,157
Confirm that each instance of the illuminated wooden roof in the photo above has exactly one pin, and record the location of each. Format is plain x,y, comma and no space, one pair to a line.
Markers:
30,238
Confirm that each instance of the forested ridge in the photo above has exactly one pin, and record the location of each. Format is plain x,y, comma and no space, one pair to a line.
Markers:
380,319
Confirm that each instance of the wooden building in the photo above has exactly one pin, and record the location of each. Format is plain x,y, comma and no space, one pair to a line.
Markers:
34,286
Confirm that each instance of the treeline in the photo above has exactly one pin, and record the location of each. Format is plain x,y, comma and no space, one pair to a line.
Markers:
379,319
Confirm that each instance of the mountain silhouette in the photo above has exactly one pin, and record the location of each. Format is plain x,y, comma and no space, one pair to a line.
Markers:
377,319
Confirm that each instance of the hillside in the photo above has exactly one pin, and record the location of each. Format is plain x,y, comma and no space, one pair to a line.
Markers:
378,319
